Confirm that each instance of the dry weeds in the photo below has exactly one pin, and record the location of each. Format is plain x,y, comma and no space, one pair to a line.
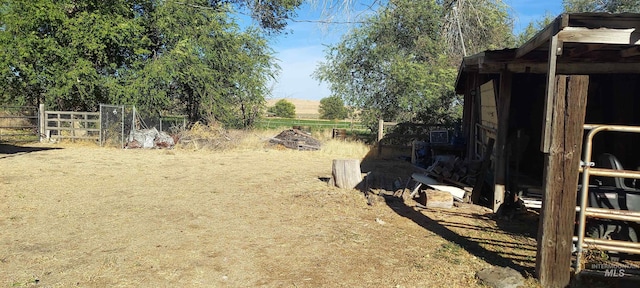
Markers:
243,217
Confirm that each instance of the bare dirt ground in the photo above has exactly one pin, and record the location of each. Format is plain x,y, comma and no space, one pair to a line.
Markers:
254,217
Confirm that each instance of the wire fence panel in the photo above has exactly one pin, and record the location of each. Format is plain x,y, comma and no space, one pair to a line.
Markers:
116,122
19,124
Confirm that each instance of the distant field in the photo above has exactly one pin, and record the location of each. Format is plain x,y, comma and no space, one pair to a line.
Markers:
307,109
273,123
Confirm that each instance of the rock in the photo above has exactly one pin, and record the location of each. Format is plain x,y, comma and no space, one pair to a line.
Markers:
500,277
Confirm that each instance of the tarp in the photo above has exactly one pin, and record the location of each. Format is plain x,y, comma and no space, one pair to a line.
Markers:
149,138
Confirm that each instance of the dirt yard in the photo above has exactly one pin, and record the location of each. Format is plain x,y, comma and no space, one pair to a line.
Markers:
254,217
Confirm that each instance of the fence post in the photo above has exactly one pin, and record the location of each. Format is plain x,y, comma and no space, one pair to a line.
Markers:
42,122
380,129
380,136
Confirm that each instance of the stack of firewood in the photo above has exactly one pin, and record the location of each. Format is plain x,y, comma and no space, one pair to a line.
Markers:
455,169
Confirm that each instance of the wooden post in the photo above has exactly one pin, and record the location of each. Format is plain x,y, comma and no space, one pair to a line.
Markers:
484,167
469,122
557,216
504,105
380,136
43,122
346,173
551,81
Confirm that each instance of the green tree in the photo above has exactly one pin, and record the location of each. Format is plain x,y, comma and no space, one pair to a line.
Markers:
332,108
484,25
284,109
62,53
205,67
612,6
163,56
533,28
398,65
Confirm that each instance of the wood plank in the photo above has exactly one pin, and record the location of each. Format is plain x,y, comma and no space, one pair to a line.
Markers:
97,114
456,192
584,49
551,81
557,215
627,36
486,161
543,36
630,52
501,141
71,128
488,109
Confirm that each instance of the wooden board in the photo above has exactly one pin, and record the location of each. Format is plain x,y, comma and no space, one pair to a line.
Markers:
455,192
488,110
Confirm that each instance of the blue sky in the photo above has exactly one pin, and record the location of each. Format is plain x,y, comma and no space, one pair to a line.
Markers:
300,51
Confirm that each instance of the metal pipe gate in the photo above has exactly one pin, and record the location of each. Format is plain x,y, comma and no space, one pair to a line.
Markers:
584,211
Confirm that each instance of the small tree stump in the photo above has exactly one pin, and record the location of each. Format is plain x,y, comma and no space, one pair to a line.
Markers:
346,173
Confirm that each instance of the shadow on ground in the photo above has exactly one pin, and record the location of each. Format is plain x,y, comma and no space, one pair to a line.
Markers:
10,150
499,242
506,242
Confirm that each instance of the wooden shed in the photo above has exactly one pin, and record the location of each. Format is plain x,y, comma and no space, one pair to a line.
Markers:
535,100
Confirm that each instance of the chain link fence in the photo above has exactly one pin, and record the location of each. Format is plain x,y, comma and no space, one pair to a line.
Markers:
116,122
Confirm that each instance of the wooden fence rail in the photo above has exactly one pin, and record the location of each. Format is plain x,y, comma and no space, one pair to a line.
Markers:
72,125
18,124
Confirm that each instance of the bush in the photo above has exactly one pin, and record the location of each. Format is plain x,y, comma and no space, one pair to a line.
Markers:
284,109
332,108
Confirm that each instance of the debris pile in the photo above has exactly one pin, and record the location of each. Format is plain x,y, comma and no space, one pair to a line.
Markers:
149,138
456,169
211,136
296,139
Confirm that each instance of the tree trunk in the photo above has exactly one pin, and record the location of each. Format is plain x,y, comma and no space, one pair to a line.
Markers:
346,173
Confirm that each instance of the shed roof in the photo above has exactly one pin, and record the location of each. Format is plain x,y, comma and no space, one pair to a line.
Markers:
588,43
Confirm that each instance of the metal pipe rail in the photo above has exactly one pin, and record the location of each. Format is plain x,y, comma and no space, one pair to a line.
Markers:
622,215
584,211
609,245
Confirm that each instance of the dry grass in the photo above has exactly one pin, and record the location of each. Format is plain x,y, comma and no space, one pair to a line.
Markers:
244,217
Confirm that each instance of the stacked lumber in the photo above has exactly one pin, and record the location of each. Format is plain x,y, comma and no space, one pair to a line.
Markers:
455,169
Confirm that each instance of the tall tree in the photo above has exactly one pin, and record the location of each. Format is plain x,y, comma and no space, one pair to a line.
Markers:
612,6
332,108
398,64
479,24
185,56
204,66
61,52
